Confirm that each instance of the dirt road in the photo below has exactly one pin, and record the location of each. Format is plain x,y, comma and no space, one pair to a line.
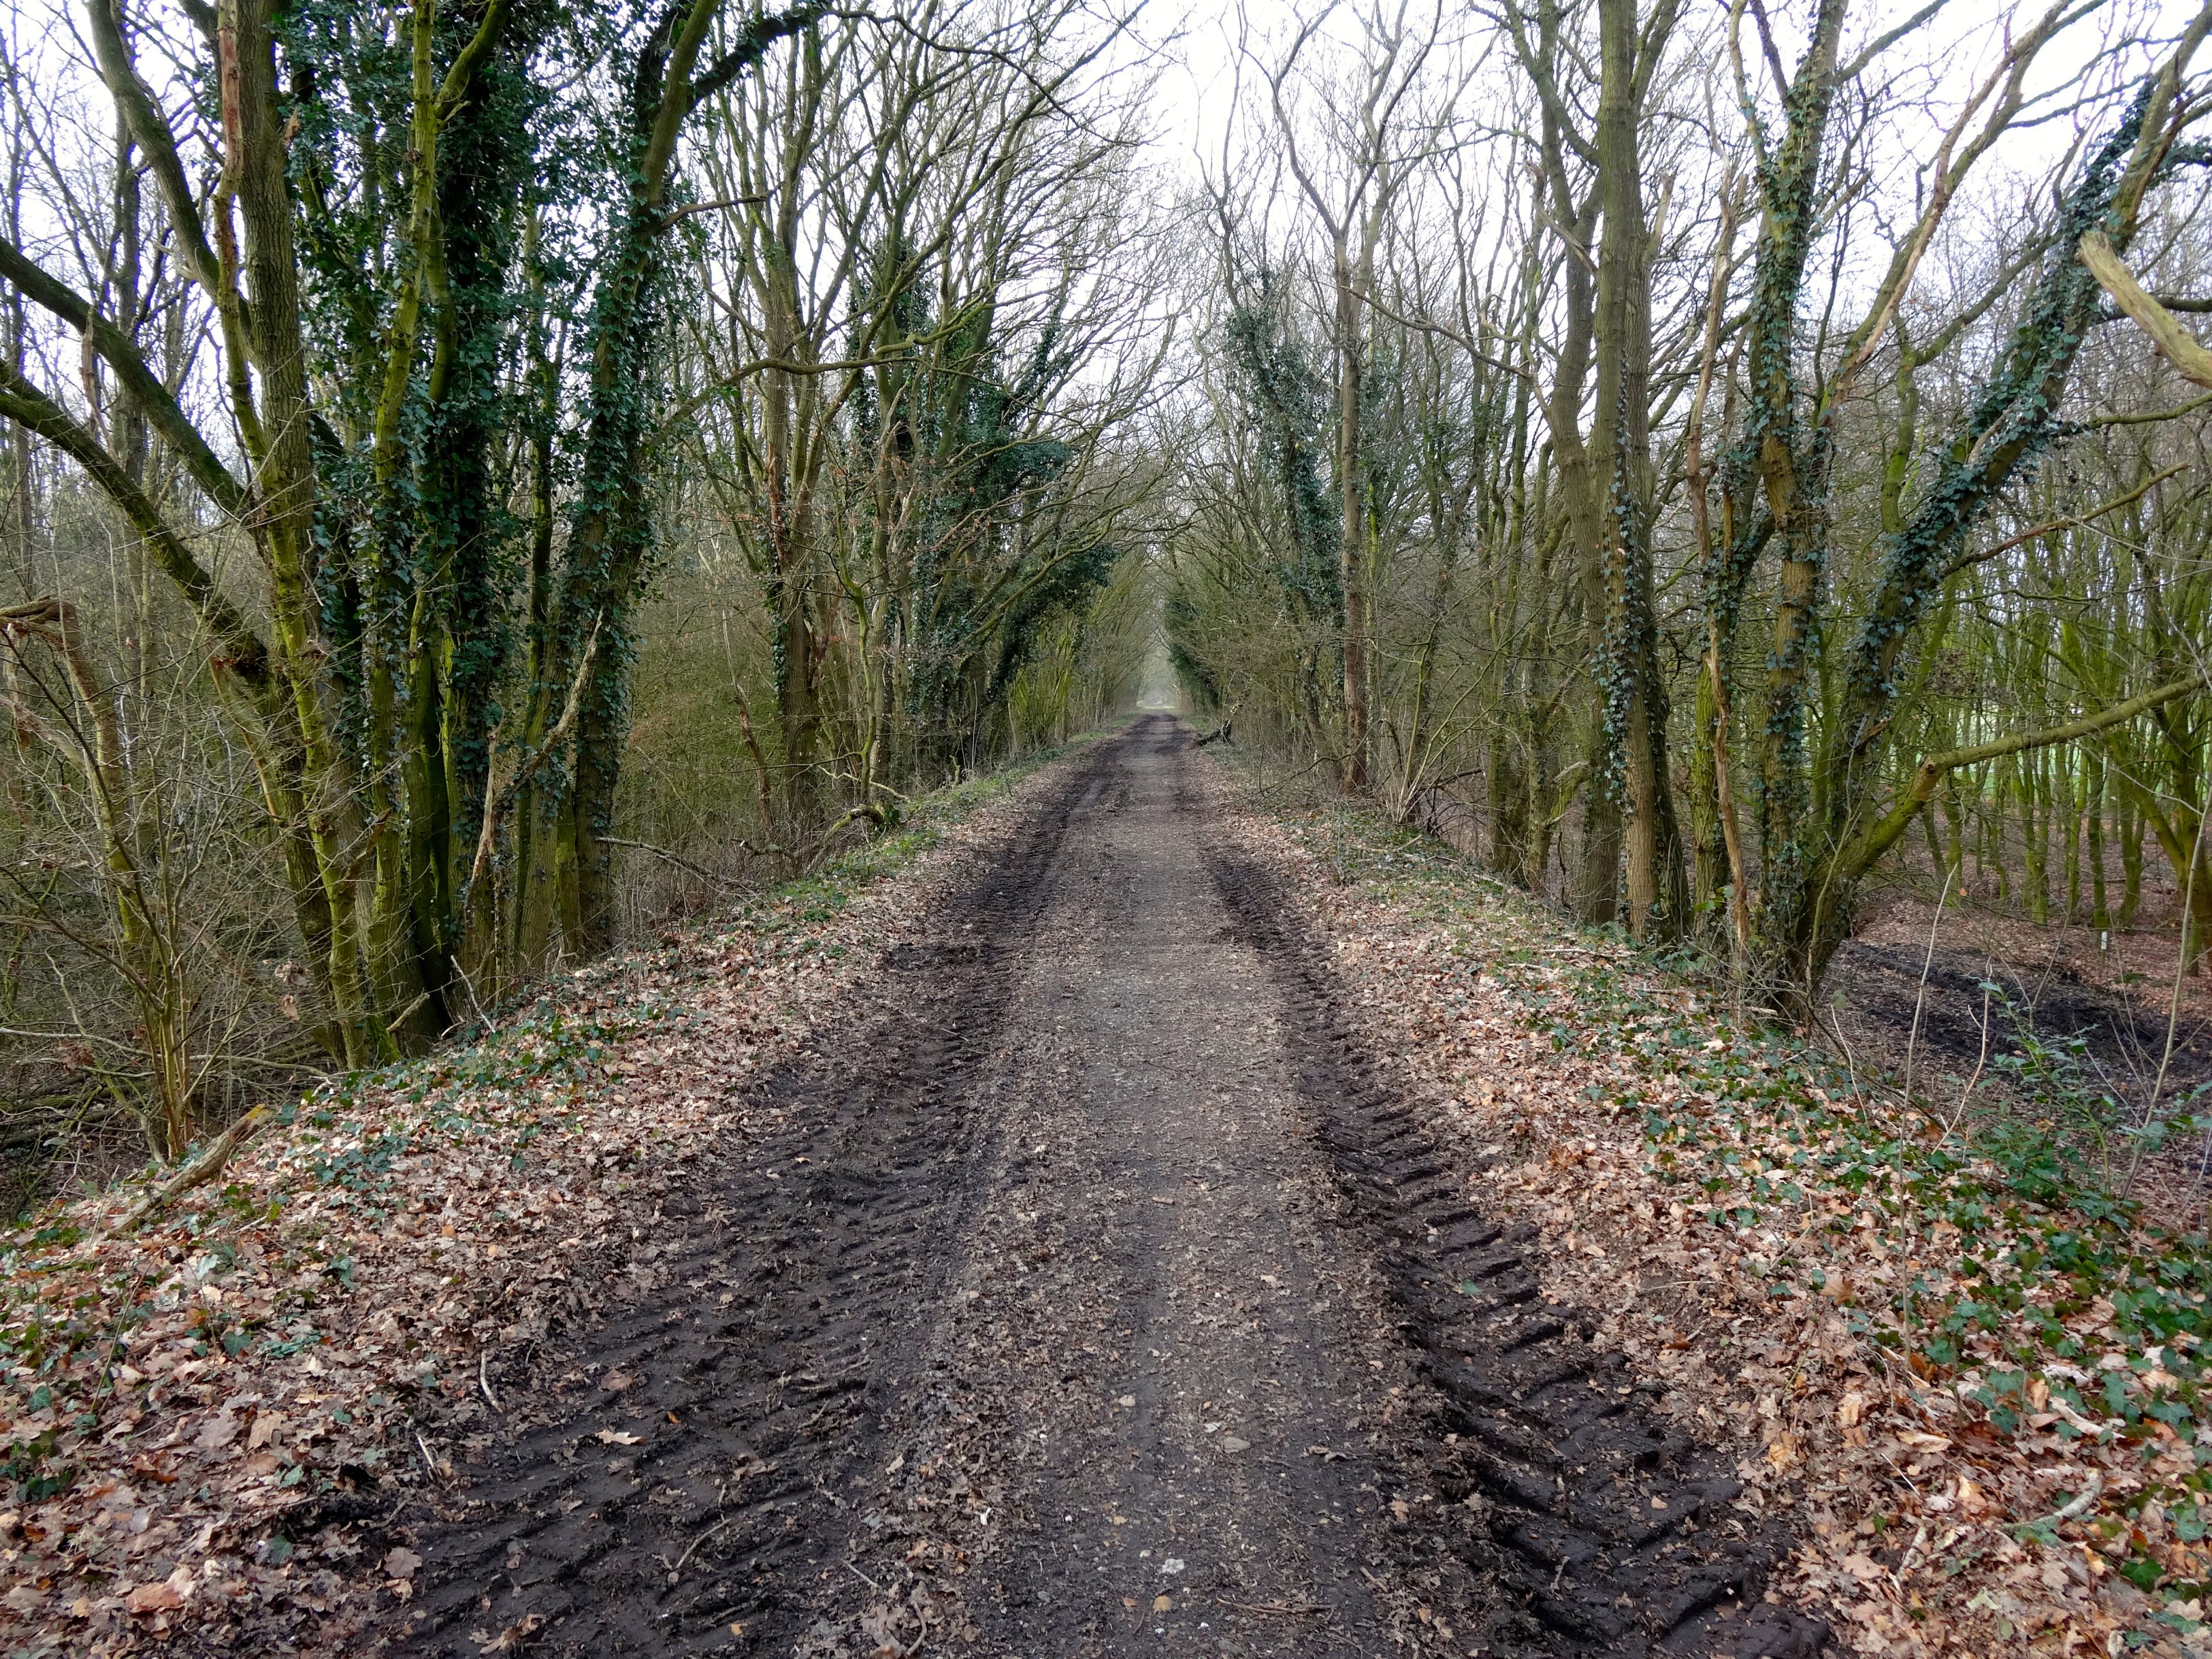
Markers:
1098,1294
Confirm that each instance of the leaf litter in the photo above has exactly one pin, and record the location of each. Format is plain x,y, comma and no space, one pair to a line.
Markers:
214,1424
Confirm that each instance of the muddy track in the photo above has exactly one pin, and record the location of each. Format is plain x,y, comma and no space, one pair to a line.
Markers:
1610,1533
687,1462
2124,1036
1100,1294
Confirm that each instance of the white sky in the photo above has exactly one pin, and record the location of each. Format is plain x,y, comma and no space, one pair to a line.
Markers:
1953,54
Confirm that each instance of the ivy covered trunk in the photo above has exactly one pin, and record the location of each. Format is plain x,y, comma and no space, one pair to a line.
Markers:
1634,688
262,327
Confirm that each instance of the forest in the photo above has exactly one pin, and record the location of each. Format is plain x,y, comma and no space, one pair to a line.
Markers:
485,479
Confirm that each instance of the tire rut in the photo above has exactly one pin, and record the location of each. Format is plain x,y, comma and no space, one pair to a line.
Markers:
678,1476
1608,1532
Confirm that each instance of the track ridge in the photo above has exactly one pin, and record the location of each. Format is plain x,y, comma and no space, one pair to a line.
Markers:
1606,1532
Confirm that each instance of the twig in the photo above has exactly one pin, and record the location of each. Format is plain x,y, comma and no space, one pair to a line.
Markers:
202,1168
1981,1063
1920,998
681,863
483,1382
700,1540
2077,1506
2189,945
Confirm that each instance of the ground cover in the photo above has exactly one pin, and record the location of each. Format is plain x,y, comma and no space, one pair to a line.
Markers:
213,1419
1971,1383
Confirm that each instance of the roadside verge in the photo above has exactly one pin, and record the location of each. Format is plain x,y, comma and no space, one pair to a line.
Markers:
1971,1391
216,1420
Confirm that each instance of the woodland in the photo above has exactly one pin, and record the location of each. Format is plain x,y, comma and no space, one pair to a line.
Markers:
481,479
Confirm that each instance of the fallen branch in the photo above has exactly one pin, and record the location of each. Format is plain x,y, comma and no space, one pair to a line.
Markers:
200,1170
1220,736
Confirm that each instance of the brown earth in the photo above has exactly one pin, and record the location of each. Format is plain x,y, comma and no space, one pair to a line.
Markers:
1097,1292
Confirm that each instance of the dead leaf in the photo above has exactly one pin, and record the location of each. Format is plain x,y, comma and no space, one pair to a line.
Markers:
512,1638
265,1430
1164,1604
1851,1408
221,1429
153,1598
1231,1442
616,1437
616,1382
401,1562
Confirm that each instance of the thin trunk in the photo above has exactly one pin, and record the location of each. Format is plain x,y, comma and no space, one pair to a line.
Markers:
1351,487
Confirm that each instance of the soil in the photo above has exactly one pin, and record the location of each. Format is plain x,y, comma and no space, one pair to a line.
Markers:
1961,1027
1099,1291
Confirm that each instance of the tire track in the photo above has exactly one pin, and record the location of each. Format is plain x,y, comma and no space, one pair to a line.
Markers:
678,1477
1610,1533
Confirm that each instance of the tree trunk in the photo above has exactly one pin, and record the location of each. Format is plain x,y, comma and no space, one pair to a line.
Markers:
1352,551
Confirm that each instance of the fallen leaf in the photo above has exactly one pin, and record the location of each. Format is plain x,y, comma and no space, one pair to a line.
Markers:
513,1636
616,1437
1851,1408
1231,1442
401,1562
1126,1399
265,1430
221,1429
616,1382
153,1598
1162,1604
